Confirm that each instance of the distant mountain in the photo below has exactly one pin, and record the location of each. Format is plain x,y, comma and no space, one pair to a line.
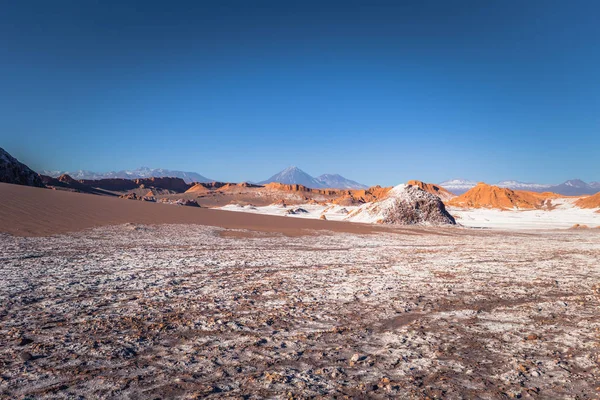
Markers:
336,181
140,173
516,185
458,186
573,187
13,171
295,176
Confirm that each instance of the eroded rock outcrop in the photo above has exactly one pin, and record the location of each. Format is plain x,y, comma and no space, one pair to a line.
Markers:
589,202
13,171
404,205
489,196
433,189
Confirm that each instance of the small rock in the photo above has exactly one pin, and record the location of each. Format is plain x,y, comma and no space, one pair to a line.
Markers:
25,341
532,336
26,356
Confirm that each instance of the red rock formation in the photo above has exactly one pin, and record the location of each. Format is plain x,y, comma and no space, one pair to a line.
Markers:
589,201
488,196
433,189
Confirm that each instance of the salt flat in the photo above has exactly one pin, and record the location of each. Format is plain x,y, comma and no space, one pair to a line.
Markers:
564,215
187,311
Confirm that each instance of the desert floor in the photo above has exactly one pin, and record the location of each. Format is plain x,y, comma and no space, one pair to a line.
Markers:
186,311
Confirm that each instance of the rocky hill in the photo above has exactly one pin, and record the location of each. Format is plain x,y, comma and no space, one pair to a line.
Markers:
433,189
13,171
589,202
488,196
404,205
222,186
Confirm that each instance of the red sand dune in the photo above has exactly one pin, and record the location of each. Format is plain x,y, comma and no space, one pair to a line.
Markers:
29,211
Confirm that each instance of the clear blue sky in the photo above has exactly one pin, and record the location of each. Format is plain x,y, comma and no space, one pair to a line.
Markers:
380,92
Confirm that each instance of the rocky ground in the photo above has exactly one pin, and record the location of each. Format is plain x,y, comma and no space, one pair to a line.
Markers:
176,311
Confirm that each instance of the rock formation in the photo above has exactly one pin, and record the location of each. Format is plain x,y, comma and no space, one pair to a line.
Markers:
404,205
13,171
488,196
589,202
433,189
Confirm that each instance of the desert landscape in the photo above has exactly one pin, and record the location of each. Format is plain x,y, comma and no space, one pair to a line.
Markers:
299,200
156,288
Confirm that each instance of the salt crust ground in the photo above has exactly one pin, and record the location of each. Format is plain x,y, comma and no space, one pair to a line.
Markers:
564,215
179,311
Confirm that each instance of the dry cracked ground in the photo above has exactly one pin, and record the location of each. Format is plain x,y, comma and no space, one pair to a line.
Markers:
174,311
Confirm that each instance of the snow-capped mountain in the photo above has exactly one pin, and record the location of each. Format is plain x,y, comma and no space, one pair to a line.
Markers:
336,181
458,186
295,176
142,172
516,185
573,187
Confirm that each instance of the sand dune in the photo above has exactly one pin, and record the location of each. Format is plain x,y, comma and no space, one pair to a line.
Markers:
29,211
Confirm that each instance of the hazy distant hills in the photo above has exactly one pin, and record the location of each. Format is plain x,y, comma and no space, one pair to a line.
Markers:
573,187
290,176
295,176
336,181
140,173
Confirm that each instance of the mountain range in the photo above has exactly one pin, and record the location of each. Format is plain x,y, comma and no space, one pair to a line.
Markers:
291,175
140,173
295,176
572,187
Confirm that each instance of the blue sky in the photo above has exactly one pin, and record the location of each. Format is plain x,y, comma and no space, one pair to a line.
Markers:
380,92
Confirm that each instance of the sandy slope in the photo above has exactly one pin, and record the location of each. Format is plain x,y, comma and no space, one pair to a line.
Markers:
29,211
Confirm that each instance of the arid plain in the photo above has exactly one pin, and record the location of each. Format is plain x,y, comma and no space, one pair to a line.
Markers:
137,300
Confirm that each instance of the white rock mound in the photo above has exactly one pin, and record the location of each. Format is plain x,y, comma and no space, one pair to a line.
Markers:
404,205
